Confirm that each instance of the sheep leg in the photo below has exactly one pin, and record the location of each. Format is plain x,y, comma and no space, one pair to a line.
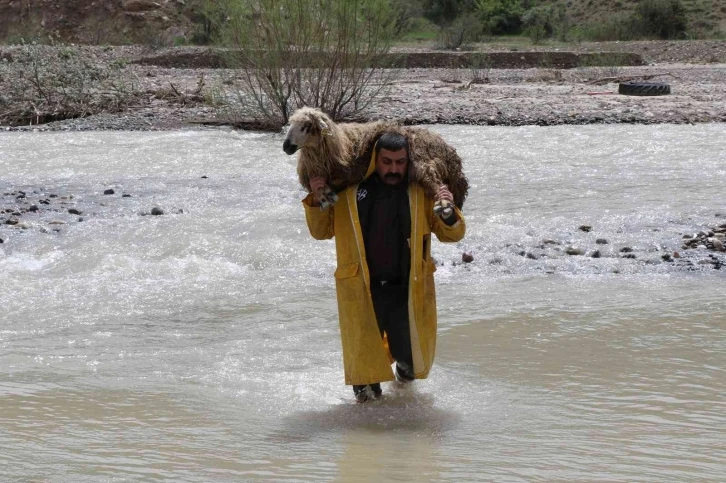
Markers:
443,208
327,197
330,195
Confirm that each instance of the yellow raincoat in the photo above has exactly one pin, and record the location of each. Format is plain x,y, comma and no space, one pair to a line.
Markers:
365,353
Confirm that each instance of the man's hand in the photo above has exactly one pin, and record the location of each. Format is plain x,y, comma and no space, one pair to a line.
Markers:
444,205
316,187
442,195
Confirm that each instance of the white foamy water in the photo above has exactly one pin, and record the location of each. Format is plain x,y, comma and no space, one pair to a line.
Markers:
202,345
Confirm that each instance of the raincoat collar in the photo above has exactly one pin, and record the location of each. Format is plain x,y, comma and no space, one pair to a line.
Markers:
372,164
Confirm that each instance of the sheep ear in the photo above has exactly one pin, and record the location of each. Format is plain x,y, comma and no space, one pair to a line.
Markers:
324,129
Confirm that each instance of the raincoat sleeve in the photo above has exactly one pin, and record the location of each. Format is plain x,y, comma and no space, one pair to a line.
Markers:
444,232
320,222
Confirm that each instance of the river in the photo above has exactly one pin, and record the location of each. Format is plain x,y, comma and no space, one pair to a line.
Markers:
202,345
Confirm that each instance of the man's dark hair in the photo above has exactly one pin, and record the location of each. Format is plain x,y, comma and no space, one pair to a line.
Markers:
392,141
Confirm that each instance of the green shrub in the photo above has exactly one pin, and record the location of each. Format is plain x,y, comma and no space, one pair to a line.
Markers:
444,12
464,30
545,21
421,28
407,11
500,17
617,27
665,19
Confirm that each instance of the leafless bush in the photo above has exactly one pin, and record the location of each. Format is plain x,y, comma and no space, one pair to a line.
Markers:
323,53
481,66
47,83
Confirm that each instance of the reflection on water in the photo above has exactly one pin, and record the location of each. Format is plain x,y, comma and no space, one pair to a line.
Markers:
202,345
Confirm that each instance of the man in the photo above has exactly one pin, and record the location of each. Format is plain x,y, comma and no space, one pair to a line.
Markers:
385,275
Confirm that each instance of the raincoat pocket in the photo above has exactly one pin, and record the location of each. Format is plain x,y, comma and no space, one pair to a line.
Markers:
350,288
346,271
428,268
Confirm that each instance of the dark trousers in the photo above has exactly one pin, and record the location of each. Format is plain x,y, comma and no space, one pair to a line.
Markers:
390,302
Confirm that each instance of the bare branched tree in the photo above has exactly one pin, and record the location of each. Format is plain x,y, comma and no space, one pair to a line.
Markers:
321,53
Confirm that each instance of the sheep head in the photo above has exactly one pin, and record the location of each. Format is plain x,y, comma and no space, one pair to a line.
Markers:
307,128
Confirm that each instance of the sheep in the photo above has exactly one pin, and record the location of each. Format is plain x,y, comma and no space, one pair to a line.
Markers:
341,154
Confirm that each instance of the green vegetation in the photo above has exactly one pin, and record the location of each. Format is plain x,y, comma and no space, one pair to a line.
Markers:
457,22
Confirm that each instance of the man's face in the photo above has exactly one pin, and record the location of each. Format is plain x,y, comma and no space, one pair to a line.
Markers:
391,165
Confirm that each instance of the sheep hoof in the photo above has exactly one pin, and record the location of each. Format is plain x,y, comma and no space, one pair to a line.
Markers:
447,212
324,204
331,197
438,208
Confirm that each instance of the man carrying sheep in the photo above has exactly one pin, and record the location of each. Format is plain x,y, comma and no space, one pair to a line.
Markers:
385,274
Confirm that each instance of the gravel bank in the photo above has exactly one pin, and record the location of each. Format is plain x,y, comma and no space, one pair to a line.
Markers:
695,70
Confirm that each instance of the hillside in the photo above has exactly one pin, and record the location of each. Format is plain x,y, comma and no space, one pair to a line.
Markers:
704,16
116,22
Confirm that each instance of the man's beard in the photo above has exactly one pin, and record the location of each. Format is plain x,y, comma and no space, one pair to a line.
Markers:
397,177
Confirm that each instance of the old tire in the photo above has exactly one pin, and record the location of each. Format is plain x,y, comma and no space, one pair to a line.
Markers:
644,89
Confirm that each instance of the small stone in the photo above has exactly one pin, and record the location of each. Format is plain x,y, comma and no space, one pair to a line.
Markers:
574,251
596,254
666,257
549,241
2,241
33,208
585,228
626,250
467,257
629,255
676,255
74,211
205,177
109,192
602,241
125,195
156,211
11,222
717,244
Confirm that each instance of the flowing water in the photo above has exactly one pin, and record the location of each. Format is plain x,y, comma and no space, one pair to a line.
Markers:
202,345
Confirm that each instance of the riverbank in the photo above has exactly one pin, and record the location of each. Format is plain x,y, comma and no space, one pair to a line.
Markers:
178,97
